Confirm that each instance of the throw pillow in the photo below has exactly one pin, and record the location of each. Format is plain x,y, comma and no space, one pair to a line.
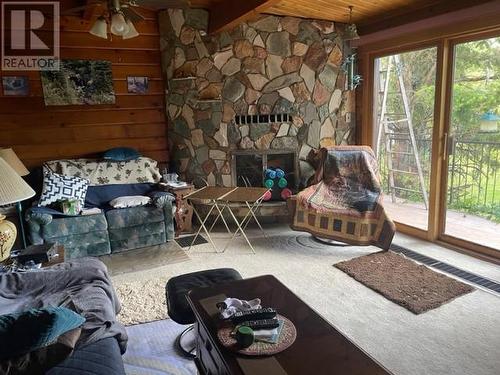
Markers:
24,332
130,201
121,154
57,187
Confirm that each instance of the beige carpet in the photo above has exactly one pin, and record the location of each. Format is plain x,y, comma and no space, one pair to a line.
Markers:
460,337
403,281
144,258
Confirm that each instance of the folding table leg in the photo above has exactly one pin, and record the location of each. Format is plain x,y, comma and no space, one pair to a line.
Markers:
253,209
222,218
239,229
202,226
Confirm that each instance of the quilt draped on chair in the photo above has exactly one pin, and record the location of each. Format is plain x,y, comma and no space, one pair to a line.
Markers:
344,203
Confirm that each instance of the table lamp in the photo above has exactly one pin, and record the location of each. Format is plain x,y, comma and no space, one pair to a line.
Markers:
13,189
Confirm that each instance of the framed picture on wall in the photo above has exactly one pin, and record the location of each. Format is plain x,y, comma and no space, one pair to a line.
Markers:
16,86
79,82
137,85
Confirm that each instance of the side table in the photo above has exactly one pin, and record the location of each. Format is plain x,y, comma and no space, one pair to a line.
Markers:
184,212
56,260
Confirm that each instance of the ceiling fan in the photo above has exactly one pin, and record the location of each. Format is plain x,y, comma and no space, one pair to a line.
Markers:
121,14
126,5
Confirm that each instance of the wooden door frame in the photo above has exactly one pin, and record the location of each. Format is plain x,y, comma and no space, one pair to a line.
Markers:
486,251
365,112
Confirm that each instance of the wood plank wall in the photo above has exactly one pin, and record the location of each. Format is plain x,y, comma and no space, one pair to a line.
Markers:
38,133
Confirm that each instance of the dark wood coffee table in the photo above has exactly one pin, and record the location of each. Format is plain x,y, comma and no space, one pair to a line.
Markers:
319,349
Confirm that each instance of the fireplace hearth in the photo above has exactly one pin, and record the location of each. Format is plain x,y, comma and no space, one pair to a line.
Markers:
255,168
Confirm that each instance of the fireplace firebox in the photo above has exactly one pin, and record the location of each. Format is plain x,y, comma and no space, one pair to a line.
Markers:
259,167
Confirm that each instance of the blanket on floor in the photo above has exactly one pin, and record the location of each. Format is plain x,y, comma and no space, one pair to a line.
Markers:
345,201
82,285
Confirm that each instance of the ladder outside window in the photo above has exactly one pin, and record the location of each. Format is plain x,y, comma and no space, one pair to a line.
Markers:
395,129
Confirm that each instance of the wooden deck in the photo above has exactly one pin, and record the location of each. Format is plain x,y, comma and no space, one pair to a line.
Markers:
458,224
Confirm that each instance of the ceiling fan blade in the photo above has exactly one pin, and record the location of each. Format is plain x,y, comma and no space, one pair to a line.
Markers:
132,14
73,11
162,4
78,7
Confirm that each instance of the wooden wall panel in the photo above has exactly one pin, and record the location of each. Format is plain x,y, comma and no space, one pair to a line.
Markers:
38,133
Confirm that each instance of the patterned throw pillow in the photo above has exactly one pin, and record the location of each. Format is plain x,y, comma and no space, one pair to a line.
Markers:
57,187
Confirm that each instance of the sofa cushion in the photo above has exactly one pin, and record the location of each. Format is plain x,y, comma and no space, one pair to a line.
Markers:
145,229
104,172
87,244
129,217
69,226
101,195
137,241
57,187
130,201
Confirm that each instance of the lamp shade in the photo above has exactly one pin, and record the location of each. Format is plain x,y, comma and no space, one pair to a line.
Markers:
11,158
100,28
12,187
132,31
118,24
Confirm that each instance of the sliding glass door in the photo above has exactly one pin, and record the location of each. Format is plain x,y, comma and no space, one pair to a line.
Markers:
404,100
473,138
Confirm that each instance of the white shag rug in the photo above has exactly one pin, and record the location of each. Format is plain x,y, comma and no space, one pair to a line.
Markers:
142,301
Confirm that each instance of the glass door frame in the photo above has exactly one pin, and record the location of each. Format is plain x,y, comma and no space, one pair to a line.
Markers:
370,86
448,108
366,118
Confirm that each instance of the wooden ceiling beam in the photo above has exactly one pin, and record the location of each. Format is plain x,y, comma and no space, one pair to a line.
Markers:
229,13
408,15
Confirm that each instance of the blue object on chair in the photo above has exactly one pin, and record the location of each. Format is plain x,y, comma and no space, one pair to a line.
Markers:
121,154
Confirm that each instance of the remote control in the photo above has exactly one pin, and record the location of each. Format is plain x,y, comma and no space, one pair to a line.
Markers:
261,324
257,314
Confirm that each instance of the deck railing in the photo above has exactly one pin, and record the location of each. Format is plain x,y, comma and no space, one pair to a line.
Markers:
473,175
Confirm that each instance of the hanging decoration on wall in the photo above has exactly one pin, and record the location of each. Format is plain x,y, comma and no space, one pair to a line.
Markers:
137,85
79,82
349,67
15,86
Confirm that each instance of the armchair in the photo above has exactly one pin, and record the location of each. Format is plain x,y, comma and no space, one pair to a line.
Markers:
344,199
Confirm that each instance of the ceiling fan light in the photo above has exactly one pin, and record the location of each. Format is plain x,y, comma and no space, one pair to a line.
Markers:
351,32
132,31
100,28
118,24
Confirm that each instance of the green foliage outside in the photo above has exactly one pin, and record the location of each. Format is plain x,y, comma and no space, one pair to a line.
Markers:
474,171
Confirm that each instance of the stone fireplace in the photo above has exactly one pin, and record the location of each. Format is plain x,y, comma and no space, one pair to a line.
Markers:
273,86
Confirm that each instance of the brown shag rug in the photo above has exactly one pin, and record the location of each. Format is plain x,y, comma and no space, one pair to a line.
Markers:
401,280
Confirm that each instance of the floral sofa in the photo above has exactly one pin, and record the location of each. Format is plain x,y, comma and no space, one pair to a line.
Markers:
111,230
